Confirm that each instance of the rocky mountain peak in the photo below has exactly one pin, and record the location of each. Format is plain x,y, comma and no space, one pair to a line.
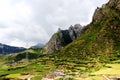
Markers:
74,31
77,28
62,38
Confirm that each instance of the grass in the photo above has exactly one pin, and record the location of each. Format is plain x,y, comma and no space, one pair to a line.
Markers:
78,78
37,78
109,69
48,63
44,65
99,43
13,76
96,77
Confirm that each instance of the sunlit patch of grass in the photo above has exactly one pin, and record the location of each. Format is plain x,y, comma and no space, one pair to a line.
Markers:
37,78
96,77
109,69
113,69
13,76
78,79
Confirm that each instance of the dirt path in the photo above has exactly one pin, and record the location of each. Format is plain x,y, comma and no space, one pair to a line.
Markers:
106,77
28,77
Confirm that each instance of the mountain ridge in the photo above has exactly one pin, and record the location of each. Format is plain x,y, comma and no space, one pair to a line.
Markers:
38,45
7,49
100,37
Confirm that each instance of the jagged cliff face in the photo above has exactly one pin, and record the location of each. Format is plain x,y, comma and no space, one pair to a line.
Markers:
54,43
62,38
115,3
74,31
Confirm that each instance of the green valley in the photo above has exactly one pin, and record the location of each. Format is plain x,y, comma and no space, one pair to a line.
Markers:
91,53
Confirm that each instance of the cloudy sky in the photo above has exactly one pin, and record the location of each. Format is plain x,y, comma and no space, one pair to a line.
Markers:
34,21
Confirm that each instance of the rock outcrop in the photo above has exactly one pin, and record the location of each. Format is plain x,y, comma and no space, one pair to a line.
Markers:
74,31
62,38
114,3
98,14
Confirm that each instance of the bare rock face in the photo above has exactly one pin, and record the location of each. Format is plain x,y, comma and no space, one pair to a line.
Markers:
62,38
98,14
118,5
55,43
74,31
115,3
101,12
111,2
77,29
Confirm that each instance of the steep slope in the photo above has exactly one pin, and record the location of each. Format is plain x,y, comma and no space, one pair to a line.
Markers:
62,38
101,38
9,49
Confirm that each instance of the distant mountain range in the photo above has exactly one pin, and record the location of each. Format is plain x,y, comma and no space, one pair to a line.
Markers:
6,49
38,45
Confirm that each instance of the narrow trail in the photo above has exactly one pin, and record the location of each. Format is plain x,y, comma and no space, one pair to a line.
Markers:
28,77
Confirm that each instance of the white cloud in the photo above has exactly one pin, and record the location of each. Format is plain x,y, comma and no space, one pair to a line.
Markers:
35,21
17,42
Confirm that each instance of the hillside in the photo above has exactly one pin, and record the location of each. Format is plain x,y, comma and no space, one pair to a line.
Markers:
100,39
6,49
96,51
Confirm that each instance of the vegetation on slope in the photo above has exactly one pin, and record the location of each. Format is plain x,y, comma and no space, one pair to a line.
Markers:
98,45
99,39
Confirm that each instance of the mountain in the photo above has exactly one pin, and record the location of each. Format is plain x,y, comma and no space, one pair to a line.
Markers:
83,53
38,45
5,49
62,38
99,39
